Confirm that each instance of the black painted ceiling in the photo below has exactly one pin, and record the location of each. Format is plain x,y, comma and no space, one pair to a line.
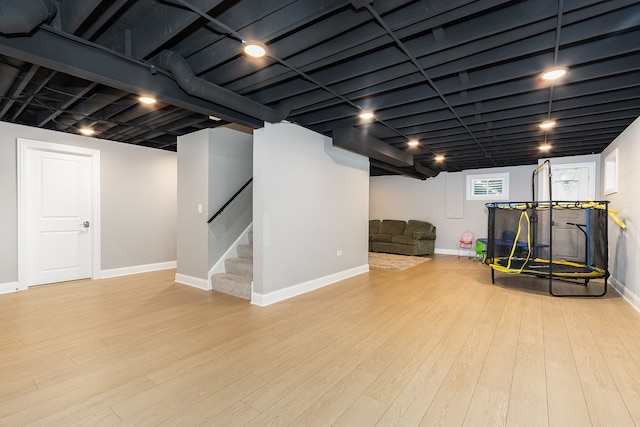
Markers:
462,77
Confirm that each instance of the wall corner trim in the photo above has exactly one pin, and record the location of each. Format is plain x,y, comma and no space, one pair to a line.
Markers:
263,300
195,282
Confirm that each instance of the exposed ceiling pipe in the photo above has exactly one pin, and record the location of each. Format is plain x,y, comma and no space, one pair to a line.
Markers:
201,88
23,16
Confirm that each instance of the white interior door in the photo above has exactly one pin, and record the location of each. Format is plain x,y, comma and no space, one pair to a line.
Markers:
568,241
571,183
57,211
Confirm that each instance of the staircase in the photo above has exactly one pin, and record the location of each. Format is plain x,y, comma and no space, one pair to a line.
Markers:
238,274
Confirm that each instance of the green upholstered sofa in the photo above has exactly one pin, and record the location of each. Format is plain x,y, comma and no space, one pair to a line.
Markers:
411,237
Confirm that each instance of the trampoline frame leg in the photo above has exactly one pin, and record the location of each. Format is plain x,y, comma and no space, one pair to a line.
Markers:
604,290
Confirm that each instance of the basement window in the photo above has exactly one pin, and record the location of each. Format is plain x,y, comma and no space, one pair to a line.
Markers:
488,187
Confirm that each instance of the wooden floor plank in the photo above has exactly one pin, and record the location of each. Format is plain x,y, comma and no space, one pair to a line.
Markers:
566,399
434,344
450,404
490,400
528,398
418,345
605,404
312,380
411,404
96,408
365,411
608,327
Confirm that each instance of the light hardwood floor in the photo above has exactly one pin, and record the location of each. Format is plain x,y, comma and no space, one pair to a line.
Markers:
437,344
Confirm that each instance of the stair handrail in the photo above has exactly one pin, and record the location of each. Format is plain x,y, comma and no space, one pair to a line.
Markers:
246,184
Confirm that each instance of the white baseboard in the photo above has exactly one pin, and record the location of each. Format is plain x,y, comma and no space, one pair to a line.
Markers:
263,300
447,251
196,282
629,296
135,269
7,288
105,274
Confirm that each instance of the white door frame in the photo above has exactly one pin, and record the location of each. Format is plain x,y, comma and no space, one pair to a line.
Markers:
23,146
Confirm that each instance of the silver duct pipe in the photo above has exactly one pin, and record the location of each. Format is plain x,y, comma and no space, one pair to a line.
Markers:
196,86
23,16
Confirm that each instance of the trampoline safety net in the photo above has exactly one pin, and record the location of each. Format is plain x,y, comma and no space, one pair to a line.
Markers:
549,239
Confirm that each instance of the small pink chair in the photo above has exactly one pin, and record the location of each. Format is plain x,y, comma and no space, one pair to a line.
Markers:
466,244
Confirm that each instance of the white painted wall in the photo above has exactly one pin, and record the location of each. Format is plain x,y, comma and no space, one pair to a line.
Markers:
310,201
624,245
138,201
396,197
139,187
193,190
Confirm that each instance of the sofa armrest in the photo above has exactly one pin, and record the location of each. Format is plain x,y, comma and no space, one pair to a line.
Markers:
423,235
420,235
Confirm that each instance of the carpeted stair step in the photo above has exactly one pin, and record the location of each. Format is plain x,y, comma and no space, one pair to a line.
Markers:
232,284
239,266
245,251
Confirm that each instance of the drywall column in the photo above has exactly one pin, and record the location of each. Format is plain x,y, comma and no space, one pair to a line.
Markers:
310,212
193,193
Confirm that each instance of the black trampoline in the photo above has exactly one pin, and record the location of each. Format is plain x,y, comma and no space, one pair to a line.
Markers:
542,267
557,240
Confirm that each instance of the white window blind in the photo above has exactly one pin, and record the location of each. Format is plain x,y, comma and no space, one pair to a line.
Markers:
488,187
485,187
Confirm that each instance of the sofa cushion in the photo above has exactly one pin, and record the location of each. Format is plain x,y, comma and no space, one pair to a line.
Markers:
374,226
392,226
380,237
420,230
422,235
405,240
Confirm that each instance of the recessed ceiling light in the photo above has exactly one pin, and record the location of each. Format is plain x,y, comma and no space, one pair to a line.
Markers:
413,143
547,124
87,131
255,49
366,115
147,100
544,147
215,118
439,158
554,73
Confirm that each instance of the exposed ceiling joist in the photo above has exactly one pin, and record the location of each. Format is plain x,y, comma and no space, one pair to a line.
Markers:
461,77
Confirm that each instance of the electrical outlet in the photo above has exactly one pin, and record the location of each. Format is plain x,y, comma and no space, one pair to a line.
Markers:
339,253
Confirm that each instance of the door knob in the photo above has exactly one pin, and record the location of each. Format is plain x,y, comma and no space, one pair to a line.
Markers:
85,224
